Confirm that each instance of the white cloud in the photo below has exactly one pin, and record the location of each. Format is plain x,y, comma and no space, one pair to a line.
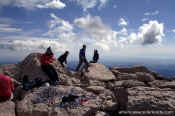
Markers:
95,33
148,34
32,4
151,33
151,13
100,34
122,22
92,31
59,28
6,28
53,4
173,30
102,3
32,44
87,4
123,31
145,19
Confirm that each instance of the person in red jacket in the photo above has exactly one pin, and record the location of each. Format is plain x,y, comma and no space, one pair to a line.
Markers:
46,60
6,88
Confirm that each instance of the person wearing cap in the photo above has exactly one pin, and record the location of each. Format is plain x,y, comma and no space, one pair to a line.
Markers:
82,58
63,58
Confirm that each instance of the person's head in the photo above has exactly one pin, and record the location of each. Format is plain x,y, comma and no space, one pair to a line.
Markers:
67,52
84,46
95,51
49,51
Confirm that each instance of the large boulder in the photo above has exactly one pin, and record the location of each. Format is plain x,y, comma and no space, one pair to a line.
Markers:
7,108
144,77
99,72
145,99
95,89
133,69
128,83
163,84
126,76
31,66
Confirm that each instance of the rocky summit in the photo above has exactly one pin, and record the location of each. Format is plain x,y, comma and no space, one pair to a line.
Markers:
108,91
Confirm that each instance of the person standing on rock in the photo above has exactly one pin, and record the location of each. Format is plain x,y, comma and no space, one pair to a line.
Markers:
82,58
95,57
6,88
46,60
63,58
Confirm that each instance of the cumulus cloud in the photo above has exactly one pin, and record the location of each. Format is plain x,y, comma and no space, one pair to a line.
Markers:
173,30
123,31
60,28
6,28
87,4
90,30
151,13
94,32
148,34
31,4
94,28
122,22
32,44
53,4
151,33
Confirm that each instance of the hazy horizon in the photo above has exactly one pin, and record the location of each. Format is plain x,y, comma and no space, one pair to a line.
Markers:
165,67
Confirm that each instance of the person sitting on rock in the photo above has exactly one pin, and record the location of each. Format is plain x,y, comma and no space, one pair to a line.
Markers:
46,60
95,57
30,84
63,58
82,58
6,88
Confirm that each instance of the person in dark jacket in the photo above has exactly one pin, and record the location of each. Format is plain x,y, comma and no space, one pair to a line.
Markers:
63,58
82,58
46,59
95,57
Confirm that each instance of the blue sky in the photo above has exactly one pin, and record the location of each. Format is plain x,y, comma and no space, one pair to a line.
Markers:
117,28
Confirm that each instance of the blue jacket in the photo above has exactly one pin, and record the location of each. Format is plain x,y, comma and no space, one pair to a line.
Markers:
82,53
